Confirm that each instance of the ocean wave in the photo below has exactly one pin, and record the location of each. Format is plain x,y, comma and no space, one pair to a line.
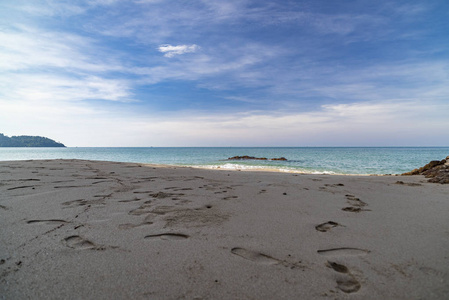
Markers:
236,167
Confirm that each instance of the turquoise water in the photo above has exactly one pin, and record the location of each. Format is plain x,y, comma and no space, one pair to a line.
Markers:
332,160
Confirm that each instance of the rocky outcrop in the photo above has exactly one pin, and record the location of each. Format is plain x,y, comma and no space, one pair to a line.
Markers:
437,171
246,157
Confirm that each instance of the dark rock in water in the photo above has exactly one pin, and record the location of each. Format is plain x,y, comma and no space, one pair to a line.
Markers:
246,157
437,171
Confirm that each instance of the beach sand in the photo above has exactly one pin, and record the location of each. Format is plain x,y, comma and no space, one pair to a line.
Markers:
74,229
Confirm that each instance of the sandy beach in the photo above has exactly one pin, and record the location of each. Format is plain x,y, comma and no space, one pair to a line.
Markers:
75,229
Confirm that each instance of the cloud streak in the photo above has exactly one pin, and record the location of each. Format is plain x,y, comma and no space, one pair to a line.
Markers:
171,51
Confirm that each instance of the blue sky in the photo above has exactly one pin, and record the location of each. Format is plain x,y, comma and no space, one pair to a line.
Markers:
226,73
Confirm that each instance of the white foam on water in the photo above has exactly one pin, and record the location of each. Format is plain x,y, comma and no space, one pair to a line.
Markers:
236,167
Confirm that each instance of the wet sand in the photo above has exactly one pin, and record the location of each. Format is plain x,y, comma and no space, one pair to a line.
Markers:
74,229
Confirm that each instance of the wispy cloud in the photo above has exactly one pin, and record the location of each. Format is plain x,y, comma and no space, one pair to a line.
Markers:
31,48
171,51
55,89
39,64
51,7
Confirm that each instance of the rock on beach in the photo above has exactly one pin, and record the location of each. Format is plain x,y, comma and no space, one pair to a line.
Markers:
437,171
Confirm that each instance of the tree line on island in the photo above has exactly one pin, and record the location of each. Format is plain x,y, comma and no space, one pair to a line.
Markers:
27,141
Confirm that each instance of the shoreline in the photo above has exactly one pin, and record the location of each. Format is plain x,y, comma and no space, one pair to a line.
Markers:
94,229
274,170
247,168
342,160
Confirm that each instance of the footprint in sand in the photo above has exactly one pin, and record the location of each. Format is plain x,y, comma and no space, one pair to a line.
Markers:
347,282
348,285
130,200
162,195
21,187
50,221
79,243
345,251
408,183
334,185
354,201
338,267
354,209
167,236
29,179
255,256
324,227
183,189
230,197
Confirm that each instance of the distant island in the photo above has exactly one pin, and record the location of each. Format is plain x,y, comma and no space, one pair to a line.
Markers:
27,141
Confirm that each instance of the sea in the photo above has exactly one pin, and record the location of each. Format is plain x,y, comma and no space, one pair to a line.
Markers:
311,160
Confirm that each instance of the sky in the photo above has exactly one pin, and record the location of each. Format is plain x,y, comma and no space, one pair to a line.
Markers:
138,73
